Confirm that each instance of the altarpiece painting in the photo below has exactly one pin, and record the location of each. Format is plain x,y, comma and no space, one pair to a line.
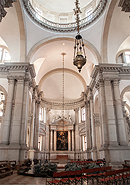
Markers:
62,140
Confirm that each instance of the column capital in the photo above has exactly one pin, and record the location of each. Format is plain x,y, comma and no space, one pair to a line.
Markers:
101,82
37,101
107,81
116,82
40,96
20,79
33,96
76,109
34,93
10,79
91,95
47,109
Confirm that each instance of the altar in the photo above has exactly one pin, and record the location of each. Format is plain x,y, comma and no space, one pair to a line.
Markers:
61,139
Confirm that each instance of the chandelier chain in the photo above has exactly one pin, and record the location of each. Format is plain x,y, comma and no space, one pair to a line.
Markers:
77,11
63,86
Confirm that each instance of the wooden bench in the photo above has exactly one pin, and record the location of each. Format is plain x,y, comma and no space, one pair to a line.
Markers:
13,164
120,176
78,176
21,167
127,164
5,169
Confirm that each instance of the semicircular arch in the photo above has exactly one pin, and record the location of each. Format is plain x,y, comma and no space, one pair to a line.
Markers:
126,89
105,33
4,91
59,70
59,38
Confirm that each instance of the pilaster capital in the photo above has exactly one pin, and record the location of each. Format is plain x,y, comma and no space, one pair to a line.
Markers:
20,79
116,82
100,83
37,101
40,96
34,94
10,79
85,97
107,81
76,110
91,95
27,81
47,109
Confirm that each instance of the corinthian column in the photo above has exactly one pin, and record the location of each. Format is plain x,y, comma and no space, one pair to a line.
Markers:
16,124
54,140
69,141
76,130
47,130
72,140
36,126
94,148
32,120
25,113
8,112
119,114
112,130
51,144
87,125
103,119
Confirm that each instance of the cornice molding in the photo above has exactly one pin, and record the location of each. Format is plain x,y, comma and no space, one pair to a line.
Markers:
59,105
111,72
18,67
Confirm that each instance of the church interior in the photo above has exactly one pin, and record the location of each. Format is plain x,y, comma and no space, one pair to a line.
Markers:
65,80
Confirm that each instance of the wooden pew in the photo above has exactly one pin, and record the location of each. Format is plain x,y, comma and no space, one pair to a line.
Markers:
120,176
13,164
127,164
78,176
5,169
21,167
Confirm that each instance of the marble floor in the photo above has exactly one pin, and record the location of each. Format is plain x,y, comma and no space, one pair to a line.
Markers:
16,179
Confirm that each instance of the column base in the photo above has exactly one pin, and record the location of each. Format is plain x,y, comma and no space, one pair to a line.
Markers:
89,154
94,154
9,152
36,154
115,156
31,154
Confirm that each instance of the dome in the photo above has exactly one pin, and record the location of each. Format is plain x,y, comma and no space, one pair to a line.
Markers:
59,15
